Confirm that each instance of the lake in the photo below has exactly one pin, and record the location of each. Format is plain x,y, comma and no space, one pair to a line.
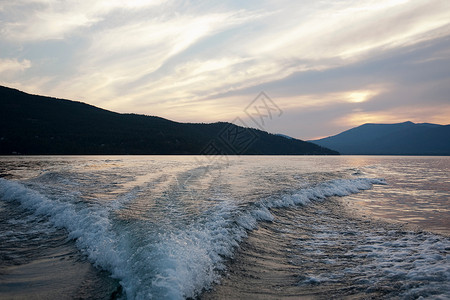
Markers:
224,227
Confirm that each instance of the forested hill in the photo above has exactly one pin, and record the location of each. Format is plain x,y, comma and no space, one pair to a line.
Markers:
31,124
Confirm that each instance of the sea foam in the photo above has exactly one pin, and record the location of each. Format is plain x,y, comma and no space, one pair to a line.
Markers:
173,265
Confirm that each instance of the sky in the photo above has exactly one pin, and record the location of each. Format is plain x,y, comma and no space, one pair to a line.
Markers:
307,69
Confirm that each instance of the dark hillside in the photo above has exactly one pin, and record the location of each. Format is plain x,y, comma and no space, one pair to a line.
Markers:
31,124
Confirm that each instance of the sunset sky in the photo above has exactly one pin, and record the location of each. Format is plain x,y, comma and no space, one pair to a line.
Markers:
327,65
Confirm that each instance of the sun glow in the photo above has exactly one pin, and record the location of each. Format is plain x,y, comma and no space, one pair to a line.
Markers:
360,96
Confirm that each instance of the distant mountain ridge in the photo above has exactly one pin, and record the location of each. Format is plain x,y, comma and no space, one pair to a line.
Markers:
406,138
31,124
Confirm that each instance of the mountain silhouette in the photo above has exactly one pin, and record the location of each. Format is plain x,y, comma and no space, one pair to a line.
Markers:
32,124
405,138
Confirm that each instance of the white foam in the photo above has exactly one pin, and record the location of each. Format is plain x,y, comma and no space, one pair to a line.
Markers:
194,256
175,264
417,264
417,260
338,187
90,227
181,263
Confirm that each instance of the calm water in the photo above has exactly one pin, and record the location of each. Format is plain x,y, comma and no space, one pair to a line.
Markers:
174,227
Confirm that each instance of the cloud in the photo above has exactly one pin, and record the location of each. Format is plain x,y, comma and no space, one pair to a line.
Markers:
415,113
28,21
407,83
135,65
146,45
199,61
11,68
323,40
36,20
13,65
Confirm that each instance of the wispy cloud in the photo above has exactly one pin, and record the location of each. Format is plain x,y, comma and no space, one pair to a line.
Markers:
36,20
415,113
198,61
13,65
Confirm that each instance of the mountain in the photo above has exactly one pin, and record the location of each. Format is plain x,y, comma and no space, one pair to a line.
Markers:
31,124
405,138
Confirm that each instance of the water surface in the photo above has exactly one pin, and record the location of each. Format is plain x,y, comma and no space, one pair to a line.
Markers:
174,227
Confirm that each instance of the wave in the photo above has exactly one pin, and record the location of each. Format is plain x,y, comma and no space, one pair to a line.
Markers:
90,227
178,264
